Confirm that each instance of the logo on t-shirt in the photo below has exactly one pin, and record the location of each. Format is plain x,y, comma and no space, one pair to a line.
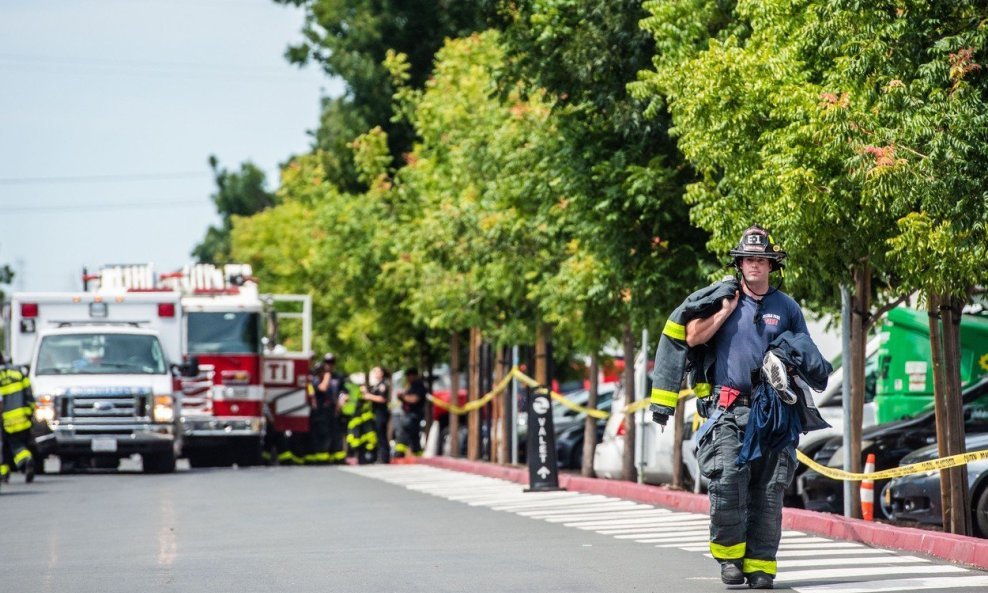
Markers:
771,319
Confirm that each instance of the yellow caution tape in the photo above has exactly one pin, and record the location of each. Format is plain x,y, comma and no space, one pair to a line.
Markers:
515,373
897,472
476,404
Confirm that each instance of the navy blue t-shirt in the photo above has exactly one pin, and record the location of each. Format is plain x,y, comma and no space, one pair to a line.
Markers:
740,344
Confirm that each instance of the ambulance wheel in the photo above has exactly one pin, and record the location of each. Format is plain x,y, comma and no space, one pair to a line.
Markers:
159,463
67,465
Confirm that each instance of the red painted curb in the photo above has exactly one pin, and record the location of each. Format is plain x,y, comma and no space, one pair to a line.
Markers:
958,549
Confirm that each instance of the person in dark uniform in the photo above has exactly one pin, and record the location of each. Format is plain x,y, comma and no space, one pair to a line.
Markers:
413,409
376,392
325,428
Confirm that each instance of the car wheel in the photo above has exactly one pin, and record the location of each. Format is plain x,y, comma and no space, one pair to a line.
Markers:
882,505
882,512
981,514
576,456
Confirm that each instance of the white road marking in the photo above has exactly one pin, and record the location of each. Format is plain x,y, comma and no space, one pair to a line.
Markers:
833,573
814,558
920,584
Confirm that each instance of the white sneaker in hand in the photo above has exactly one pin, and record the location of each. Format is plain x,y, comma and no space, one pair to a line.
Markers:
774,373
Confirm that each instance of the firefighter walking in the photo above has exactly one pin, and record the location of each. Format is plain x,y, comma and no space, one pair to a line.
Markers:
18,410
730,333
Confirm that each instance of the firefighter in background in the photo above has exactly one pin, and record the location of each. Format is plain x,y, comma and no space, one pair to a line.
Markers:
413,408
18,410
376,394
326,395
361,439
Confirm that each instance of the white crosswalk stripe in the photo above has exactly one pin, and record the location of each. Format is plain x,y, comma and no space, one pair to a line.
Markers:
807,563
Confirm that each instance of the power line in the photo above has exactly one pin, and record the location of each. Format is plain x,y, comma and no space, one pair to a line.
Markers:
56,208
103,178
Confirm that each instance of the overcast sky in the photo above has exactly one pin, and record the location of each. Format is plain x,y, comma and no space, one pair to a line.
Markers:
109,111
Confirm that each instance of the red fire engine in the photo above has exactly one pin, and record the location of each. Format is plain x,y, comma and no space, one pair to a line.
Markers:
242,388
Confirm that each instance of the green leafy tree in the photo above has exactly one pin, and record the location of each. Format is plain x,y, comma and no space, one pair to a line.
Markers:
475,241
332,244
634,255
238,194
834,124
349,39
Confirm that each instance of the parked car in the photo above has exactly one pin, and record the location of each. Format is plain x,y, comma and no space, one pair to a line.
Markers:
916,497
569,444
830,402
567,425
890,443
654,456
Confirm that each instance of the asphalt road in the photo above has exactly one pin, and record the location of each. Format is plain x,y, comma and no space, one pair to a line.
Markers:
387,529
298,529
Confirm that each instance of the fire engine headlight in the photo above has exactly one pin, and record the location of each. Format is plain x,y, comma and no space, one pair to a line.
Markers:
163,411
45,409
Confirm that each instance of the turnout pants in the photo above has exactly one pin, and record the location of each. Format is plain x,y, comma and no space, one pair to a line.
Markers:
361,437
381,428
409,435
16,451
326,432
746,501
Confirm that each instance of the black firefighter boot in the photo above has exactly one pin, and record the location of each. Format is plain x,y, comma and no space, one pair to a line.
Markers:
730,573
760,580
29,470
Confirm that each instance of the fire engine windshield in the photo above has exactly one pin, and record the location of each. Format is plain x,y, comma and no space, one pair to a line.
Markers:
224,333
102,354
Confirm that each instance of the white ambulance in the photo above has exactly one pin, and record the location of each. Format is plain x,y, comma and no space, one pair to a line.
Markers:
100,367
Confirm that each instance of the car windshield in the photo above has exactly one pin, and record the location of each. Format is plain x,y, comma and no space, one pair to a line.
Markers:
100,354
226,333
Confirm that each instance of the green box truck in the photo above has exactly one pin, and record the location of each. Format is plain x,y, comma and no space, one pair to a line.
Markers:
905,368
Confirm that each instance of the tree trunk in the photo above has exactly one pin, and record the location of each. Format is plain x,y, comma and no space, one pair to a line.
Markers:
473,394
960,519
454,393
590,423
861,305
940,405
502,406
628,470
542,337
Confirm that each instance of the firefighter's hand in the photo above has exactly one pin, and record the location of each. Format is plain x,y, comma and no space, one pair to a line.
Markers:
729,305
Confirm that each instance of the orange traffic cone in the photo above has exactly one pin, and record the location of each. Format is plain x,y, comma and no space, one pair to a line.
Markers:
868,491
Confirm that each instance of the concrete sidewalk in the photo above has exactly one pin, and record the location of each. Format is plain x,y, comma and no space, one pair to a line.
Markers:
969,551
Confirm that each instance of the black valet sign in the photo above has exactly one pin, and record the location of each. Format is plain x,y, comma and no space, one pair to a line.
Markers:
543,470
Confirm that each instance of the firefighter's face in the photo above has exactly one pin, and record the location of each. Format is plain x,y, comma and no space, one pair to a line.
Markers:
755,269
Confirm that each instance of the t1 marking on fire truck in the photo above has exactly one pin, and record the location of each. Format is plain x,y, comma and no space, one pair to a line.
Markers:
279,372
